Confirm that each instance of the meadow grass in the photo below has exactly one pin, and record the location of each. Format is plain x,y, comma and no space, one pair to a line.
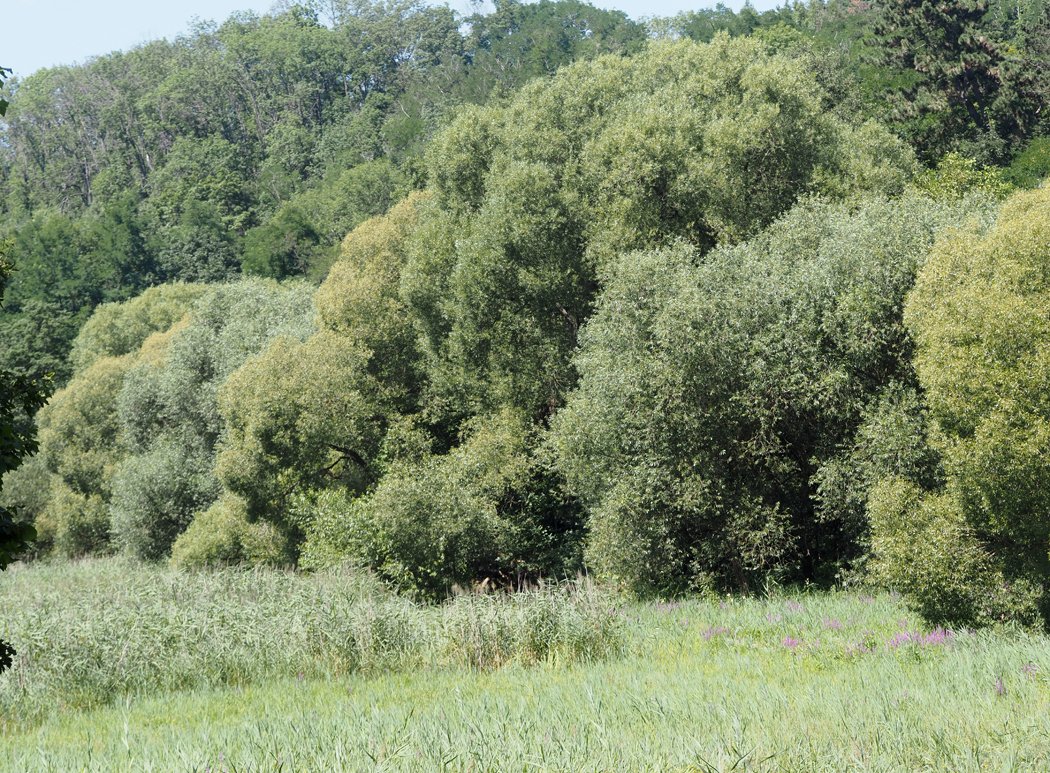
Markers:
90,632
829,681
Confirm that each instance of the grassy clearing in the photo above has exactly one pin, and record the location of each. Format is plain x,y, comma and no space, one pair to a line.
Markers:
816,682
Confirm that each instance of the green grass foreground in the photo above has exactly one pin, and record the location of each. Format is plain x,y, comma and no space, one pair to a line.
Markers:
553,681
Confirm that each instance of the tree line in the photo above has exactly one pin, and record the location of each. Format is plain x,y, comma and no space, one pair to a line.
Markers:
666,304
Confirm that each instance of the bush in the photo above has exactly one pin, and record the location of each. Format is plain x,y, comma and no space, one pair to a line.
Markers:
299,416
155,495
892,441
222,535
81,438
483,511
74,524
1032,166
924,548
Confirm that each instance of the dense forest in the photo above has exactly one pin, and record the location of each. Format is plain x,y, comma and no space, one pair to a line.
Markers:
697,304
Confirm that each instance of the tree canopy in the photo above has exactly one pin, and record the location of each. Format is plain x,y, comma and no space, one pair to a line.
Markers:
729,299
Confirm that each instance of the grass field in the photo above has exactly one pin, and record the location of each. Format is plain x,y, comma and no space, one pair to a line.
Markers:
551,681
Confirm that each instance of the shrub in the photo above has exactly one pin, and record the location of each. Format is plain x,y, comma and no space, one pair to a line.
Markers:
73,523
892,441
299,416
925,549
222,535
1032,166
484,510
155,495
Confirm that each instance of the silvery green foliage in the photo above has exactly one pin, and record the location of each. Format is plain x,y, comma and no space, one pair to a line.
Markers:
703,144
716,389
168,410
116,329
156,493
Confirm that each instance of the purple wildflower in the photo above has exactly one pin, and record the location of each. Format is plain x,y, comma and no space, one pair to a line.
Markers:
793,606
1000,688
938,637
832,624
710,633
774,618
1029,670
791,643
898,639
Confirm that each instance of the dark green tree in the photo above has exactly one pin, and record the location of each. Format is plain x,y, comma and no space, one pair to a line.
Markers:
521,41
952,70
280,247
20,398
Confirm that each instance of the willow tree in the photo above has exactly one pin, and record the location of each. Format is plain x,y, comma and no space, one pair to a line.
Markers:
735,408
976,549
306,414
684,142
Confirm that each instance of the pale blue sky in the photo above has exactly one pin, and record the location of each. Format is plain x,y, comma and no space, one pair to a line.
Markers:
44,33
